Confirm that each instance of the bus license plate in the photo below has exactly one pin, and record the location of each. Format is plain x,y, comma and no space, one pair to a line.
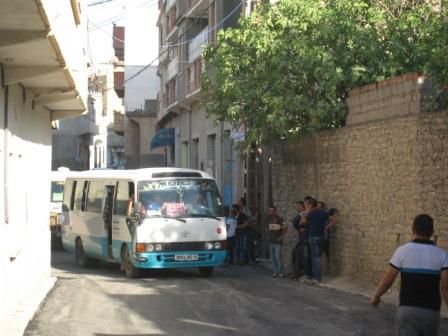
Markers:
186,257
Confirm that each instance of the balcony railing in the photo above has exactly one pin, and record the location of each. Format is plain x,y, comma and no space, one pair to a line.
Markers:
192,3
195,47
173,68
197,8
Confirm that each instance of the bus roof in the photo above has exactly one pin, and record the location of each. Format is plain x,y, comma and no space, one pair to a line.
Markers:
58,175
140,174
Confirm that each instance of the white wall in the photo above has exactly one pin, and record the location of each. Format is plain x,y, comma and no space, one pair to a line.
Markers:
24,224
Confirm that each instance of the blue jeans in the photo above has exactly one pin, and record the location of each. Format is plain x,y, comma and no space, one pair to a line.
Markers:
276,256
315,257
242,255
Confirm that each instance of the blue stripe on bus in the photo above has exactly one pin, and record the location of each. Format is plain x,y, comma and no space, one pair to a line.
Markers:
95,244
420,271
166,259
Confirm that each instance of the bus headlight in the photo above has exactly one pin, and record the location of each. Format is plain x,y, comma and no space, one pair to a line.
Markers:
209,246
159,247
150,248
217,245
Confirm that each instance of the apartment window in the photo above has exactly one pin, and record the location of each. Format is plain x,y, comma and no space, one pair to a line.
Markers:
195,154
211,154
170,92
253,5
189,87
170,19
194,73
212,15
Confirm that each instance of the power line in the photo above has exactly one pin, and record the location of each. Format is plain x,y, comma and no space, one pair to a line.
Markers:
185,42
105,31
115,18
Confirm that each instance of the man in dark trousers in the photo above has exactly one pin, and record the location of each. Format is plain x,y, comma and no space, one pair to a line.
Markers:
242,252
424,271
315,221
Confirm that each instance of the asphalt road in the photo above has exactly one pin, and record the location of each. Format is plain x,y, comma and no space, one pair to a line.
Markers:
238,300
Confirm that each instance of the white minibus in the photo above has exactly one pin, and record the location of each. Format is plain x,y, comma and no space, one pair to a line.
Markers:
144,218
57,182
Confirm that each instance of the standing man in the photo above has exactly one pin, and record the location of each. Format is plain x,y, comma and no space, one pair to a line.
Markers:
316,220
276,231
296,255
424,271
231,228
251,231
242,253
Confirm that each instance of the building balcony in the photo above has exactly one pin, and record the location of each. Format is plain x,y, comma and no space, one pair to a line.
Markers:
119,83
118,40
173,68
118,123
195,47
163,55
197,8
87,125
41,49
149,110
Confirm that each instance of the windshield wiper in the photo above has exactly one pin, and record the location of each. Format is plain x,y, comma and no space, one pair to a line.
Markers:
206,216
176,218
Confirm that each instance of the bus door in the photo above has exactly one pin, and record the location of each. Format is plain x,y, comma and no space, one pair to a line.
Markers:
107,218
120,231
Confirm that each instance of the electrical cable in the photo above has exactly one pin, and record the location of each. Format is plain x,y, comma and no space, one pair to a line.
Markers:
173,45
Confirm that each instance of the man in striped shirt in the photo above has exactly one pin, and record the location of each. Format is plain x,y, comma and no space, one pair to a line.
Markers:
424,271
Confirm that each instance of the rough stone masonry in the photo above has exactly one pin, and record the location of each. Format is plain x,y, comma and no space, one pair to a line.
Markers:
389,163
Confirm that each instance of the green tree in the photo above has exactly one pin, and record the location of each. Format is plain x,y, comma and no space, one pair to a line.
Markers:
285,72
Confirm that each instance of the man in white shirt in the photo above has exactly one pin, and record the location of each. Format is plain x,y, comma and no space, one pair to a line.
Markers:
424,271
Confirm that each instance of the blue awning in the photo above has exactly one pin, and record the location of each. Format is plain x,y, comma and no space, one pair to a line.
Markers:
164,137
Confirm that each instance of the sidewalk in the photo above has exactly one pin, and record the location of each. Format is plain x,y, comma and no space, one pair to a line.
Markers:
351,285
15,324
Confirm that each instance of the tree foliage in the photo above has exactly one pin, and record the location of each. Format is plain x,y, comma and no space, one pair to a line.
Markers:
286,70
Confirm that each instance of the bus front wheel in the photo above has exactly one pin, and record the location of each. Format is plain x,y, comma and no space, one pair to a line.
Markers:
129,269
206,271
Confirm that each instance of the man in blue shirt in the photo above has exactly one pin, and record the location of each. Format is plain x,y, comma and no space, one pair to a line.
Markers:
316,220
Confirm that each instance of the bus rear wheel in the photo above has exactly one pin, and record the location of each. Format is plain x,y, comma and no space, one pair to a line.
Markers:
126,263
81,258
206,271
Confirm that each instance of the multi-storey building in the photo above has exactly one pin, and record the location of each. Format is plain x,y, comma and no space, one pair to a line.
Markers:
185,27
43,78
138,86
88,141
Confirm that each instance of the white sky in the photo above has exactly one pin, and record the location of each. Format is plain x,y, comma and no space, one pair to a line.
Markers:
141,34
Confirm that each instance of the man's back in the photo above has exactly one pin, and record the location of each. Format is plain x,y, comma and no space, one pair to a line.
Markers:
420,263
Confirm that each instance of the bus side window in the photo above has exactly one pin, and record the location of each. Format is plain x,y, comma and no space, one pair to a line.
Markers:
72,195
80,196
95,196
67,195
122,198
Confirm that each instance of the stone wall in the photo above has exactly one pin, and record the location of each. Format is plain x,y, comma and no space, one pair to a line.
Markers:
379,174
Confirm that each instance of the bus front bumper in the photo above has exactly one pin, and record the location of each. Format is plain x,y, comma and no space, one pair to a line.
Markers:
179,259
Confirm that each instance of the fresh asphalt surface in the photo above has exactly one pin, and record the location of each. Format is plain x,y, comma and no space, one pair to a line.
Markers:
237,300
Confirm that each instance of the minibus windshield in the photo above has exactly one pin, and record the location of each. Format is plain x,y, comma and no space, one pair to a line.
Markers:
180,198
